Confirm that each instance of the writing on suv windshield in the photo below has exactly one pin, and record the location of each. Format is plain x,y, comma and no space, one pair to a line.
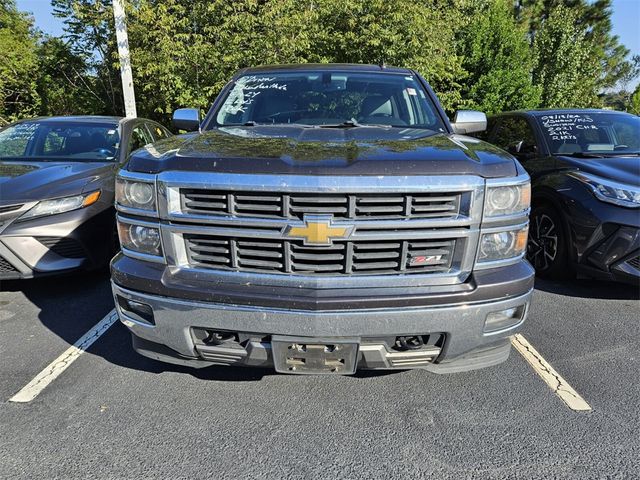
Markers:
591,134
59,141
329,99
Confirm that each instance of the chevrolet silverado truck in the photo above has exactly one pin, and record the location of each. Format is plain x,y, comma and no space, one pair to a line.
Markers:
323,219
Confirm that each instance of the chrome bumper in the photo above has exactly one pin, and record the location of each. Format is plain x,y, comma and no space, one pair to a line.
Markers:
467,346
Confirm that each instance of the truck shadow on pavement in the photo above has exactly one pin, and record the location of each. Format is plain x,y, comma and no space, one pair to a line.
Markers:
597,289
71,305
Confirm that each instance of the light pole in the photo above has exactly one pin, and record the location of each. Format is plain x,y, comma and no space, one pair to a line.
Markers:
125,59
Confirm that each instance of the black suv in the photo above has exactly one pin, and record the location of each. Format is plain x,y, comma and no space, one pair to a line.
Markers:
585,178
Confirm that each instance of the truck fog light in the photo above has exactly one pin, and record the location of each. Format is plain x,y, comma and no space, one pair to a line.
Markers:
504,319
140,238
136,310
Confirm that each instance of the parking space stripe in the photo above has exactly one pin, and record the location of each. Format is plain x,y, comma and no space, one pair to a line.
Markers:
558,384
60,364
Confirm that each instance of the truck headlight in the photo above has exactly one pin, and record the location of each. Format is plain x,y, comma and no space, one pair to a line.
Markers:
140,238
503,245
610,191
135,194
507,199
61,205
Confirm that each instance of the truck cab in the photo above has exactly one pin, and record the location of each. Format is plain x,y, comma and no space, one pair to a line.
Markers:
324,219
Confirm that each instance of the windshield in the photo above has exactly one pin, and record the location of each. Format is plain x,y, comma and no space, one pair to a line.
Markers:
325,98
59,141
592,133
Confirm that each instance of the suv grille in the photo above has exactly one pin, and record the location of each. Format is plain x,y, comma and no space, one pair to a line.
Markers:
347,257
6,267
341,206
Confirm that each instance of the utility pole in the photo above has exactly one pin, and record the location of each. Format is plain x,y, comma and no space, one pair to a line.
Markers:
125,59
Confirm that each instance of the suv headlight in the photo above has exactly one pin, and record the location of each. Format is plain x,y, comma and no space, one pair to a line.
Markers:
610,191
61,205
136,194
503,245
507,199
140,238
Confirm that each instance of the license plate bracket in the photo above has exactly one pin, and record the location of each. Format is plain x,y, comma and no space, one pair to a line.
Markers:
304,355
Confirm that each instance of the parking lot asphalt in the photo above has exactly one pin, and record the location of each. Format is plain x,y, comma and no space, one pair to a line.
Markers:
114,414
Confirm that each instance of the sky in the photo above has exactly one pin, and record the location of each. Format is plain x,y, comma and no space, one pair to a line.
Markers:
626,20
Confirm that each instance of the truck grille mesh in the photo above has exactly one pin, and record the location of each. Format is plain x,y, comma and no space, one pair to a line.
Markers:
293,257
341,206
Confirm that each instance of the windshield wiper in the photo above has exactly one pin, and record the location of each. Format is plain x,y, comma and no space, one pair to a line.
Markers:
352,124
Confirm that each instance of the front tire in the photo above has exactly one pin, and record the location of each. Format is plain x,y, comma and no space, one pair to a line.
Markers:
547,249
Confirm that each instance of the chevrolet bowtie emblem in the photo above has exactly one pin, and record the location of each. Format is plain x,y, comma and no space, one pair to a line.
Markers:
317,230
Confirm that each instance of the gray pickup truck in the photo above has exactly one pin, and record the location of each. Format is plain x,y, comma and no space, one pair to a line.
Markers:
324,219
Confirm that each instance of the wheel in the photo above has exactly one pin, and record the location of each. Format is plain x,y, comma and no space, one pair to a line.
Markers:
547,249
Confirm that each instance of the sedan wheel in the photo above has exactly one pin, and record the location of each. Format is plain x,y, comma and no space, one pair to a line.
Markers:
547,249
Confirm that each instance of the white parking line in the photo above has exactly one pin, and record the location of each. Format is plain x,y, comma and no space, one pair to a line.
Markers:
558,384
60,364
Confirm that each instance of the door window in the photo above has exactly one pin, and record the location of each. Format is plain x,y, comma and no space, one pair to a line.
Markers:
513,130
139,138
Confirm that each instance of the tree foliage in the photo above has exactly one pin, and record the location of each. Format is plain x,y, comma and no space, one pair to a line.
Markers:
492,55
18,64
498,58
566,67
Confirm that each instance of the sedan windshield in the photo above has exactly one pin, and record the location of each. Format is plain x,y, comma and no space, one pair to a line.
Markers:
591,134
68,141
329,99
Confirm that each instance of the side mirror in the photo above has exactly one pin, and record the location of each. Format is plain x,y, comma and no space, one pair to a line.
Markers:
522,150
469,121
515,148
187,119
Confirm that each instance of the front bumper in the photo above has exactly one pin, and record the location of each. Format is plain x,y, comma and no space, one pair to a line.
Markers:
80,239
169,330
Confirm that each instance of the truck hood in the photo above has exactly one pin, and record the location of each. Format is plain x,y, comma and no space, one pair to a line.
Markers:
301,150
24,181
620,169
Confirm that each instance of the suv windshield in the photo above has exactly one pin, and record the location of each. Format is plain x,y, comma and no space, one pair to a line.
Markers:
591,134
323,98
59,141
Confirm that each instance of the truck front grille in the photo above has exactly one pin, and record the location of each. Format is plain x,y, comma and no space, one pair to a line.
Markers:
341,206
293,257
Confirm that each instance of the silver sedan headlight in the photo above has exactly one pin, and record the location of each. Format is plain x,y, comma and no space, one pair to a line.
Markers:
61,205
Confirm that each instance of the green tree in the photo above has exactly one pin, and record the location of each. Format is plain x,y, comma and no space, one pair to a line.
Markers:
498,58
634,104
64,82
594,18
183,51
18,63
566,68
89,31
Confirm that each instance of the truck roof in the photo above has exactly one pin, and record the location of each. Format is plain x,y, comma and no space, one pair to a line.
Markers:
301,67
